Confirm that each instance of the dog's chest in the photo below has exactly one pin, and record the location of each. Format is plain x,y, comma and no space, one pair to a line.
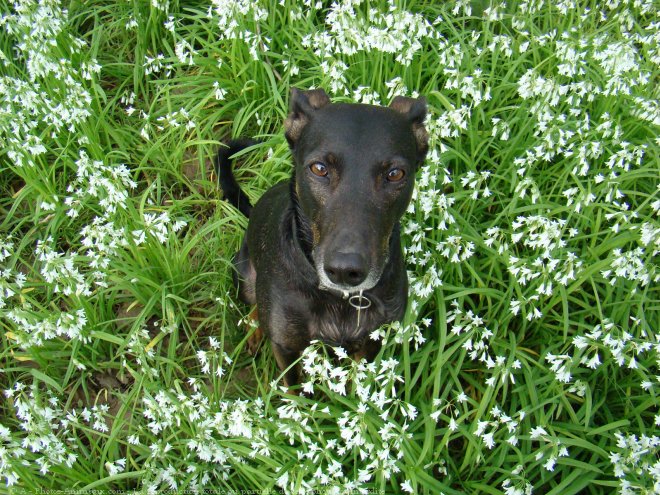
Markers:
344,325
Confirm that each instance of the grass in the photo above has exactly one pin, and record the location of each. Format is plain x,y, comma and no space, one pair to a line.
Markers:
527,361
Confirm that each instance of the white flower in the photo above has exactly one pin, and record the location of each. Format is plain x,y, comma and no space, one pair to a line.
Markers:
219,93
407,487
537,432
488,440
116,467
549,464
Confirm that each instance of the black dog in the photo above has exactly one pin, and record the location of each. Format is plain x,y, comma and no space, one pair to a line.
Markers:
322,257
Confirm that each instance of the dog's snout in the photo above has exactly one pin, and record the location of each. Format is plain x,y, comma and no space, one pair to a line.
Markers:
346,269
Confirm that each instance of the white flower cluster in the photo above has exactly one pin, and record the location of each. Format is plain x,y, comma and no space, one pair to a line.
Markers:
430,202
400,333
157,65
158,226
500,424
350,30
108,185
29,113
476,337
213,438
51,101
549,261
34,329
213,360
233,15
517,484
472,87
74,275
450,123
217,434
103,240
36,32
631,265
207,455
475,181
94,416
456,249
636,348
140,350
41,420
171,120
11,281
376,387
551,447
636,463
451,410
473,327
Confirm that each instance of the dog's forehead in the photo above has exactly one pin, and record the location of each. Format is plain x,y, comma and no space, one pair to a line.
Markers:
360,128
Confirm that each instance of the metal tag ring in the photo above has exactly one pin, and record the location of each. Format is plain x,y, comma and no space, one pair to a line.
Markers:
359,302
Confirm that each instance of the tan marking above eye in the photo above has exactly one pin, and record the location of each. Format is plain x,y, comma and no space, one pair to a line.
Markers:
319,169
396,175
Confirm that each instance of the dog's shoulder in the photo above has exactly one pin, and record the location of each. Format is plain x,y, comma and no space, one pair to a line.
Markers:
270,232
271,209
277,195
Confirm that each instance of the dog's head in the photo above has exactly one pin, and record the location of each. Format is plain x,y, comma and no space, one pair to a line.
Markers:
354,177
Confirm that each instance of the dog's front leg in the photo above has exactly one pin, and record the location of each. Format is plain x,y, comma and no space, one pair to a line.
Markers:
286,357
244,275
368,351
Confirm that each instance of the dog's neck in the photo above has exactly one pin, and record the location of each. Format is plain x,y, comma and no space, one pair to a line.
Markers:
302,232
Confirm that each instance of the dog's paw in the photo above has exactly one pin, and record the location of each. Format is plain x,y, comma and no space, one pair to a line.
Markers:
256,334
254,341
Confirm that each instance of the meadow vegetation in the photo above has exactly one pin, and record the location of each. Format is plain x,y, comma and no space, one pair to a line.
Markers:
529,357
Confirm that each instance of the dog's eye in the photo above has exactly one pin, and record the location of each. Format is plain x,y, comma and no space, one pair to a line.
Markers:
396,174
319,169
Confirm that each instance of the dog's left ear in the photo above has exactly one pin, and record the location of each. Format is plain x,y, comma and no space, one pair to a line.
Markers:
302,107
414,109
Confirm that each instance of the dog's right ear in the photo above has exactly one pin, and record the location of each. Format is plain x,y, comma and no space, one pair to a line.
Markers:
301,109
414,109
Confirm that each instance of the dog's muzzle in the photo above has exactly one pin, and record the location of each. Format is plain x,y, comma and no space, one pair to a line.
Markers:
346,269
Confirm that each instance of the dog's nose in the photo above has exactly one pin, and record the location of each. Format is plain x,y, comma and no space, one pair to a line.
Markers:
346,269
